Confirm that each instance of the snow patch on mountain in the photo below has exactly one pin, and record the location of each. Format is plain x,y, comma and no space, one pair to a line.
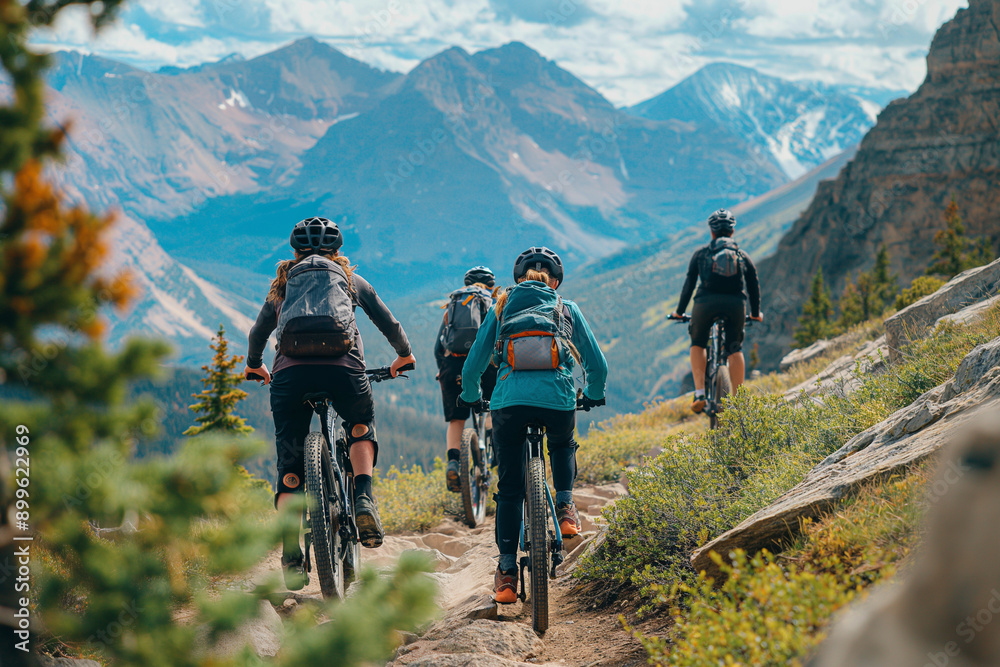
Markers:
799,125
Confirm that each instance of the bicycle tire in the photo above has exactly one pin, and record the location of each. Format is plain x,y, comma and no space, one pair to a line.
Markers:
723,388
538,549
467,478
322,517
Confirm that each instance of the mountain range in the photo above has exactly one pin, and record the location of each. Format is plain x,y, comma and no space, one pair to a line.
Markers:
465,159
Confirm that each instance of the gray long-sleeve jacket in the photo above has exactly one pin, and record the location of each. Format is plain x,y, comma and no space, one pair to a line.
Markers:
364,296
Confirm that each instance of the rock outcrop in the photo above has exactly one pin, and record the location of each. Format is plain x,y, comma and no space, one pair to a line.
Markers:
905,437
974,286
943,140
941,612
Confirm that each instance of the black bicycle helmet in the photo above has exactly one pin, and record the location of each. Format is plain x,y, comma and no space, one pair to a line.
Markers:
538,258
480,274
316,235
722,221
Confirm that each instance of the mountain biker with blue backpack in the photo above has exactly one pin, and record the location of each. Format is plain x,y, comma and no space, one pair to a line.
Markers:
728,277
311,305
464,314
534,337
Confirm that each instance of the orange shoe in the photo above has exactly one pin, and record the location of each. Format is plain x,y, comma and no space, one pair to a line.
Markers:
569,519
505,585
698,405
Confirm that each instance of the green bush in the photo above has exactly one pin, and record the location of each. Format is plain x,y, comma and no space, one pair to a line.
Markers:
920,287
413,500
763,615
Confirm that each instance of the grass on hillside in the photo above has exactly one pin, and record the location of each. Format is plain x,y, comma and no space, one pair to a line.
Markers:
774,611
702,484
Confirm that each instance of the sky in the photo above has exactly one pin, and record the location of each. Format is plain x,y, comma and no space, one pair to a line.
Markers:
629,50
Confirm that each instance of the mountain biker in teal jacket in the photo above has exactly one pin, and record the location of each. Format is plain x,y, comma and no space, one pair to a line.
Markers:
523,397
342,377
728,279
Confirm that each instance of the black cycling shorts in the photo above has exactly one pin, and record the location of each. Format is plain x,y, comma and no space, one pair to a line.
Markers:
707,308
351,394
450,377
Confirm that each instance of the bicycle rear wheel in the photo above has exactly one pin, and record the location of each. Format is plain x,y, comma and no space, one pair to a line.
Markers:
723,388
323,515
538,549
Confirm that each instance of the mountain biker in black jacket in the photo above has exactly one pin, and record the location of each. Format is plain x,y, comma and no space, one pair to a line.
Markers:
725,287
343,377
450,377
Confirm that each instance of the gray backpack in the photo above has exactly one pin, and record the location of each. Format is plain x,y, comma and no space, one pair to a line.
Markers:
317,314
723,260
463,316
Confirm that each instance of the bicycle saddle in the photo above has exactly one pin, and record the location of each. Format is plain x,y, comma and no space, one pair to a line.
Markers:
316,396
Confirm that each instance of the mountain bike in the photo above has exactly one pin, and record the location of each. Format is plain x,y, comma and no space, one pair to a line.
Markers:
718,384
331,533
475,468
541,536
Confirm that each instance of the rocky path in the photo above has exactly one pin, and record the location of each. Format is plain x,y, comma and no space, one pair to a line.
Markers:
475,631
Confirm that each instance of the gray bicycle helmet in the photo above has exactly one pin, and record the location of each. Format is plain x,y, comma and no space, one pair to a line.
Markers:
480,274
722,221
316,235
538,258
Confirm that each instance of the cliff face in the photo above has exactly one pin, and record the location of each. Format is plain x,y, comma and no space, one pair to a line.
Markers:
944,140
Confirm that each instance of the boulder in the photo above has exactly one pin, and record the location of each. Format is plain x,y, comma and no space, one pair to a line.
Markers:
941,611
840,377
967,288
507,640
464,660
262,634
805,354
905,437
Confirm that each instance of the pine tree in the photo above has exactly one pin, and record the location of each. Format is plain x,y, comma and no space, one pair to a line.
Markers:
817,313
957,252
874,291
885,284
852,304
754,356
221,394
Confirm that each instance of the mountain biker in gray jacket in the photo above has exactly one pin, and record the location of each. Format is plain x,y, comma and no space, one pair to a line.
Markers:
343,377
728,277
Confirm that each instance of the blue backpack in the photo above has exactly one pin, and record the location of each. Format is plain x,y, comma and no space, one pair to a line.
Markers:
534,337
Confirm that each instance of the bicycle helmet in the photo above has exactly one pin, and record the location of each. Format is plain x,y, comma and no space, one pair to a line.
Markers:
722,222
538,258
480,274
316,235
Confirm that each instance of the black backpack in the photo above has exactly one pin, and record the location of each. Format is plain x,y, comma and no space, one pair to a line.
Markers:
317,313
723,261
463,316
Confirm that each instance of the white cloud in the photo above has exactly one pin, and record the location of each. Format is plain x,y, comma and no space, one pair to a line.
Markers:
627,50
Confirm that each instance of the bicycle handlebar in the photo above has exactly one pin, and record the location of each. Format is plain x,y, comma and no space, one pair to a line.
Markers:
385,373
687,318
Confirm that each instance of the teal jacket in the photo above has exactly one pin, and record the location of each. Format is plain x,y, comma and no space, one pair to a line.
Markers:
544,389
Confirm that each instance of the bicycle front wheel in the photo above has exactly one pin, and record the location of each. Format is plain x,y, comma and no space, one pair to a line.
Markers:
538,549
323,514
467,476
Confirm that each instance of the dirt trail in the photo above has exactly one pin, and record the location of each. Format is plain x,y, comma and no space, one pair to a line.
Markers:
476,631
473,630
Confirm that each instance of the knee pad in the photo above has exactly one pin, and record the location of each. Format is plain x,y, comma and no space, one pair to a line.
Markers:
360,431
